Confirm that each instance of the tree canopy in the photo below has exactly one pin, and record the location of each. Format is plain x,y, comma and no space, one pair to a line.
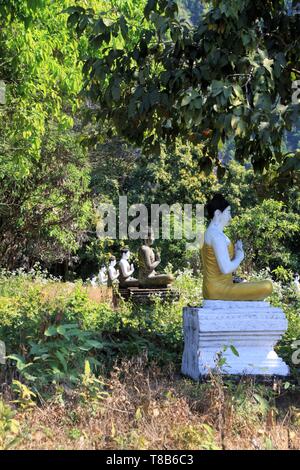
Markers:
231,75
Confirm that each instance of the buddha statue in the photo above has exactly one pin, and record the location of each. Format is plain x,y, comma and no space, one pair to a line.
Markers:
296,283
113,273
221,258
94,281
102,277
126,270
148,262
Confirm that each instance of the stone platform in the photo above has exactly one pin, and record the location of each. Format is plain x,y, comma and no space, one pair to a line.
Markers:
146,295
252,327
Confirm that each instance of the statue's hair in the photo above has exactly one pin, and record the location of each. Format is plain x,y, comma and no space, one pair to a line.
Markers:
125,249
112,258
217,202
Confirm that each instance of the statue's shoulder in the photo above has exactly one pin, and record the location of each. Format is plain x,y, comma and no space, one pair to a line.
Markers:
143,248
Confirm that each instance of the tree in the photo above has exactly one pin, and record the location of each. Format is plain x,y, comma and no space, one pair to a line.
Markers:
231,75
268,231
44,172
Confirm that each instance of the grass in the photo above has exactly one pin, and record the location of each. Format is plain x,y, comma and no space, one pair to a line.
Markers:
136,397
148,407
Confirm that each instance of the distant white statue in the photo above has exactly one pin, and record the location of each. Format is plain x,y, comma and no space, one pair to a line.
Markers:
94,281
113,273
126,270
296,283
102,277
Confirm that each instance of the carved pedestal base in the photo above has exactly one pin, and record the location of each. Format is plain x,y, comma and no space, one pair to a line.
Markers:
253,328
147,295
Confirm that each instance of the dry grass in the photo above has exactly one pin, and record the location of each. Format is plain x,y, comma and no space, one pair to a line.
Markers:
150,408
100,294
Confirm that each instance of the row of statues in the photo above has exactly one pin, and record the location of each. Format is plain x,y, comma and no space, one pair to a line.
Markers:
220,259
124,274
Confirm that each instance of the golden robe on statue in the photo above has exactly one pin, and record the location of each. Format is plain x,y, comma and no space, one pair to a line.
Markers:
218,286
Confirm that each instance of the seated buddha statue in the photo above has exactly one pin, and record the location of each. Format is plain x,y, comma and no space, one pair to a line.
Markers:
113,273
126,270
102,277
148,262
221,258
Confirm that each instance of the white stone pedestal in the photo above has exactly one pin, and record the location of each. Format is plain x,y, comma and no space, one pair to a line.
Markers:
253,328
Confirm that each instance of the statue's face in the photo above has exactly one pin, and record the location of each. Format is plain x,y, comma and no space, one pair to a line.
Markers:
126,255
150,240
226,216
113,263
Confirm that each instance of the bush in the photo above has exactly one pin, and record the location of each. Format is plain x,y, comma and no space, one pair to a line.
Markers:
267,230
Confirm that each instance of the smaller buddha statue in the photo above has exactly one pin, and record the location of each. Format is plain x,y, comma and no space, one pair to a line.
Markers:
102,277
113,273
126,270
296,283
148,262
94,281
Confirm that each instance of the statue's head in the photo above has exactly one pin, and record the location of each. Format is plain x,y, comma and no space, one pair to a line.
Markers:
103,268
219,210
112,261
125,252
149,239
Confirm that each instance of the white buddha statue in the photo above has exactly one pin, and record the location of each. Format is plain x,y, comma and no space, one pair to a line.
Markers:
102,277
94,281
221,258
126,270
113,273
296,283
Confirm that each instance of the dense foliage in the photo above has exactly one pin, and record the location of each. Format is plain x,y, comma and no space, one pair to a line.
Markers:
163,104
233,74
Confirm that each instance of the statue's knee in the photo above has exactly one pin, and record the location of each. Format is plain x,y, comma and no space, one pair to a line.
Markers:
269,287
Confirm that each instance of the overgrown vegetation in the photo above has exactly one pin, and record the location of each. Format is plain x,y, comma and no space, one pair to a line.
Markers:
75,364
80,372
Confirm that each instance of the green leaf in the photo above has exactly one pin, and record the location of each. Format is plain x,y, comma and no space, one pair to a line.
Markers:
61,330
150,6
100,27
62,360
124,27
51,331
73,19
217,88
234,350
291,164
267,63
